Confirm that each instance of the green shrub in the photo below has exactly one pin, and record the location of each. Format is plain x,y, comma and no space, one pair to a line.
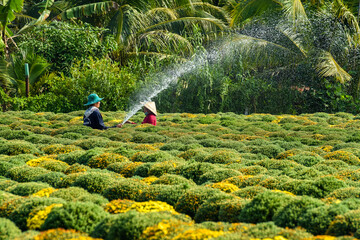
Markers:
264,206
131,224
16,147
94,182
346,157
290,215
26,189
306,159
85,158
125,189
161,168
92,142
222,157
75,215
127,169
159,156
193,171
230,209
197,154
328,184
59,149
105,159
71,157
249,192
142,170
307,173
251,170
191,200
301,187
78,194
217,175
22,211
172,179
344,193
164,193
346,224
25,173
4,167
75,168
317,220
8,230
72,136
52,178
269,150
209,210
102,229
54,165
5,183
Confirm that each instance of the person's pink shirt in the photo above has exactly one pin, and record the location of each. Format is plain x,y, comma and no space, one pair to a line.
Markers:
150,118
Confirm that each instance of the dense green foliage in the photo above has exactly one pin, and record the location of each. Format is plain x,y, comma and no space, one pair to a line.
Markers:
263,175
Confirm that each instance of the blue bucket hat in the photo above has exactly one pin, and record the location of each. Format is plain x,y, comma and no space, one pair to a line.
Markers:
92,99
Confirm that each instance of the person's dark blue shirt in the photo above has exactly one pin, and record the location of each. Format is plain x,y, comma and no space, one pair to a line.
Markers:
93,118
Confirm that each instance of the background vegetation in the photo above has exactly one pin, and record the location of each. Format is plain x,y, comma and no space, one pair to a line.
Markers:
287,56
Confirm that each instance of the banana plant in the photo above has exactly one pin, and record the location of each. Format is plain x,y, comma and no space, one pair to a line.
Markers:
8,9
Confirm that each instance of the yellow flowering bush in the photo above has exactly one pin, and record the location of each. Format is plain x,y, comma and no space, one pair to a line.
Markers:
225,187
104,159
346,157
119,206
198,234
38,217
63,234
35,162
327,148
76,120
188,115
149,180
60,149
148,147
124,205
45,192
166,229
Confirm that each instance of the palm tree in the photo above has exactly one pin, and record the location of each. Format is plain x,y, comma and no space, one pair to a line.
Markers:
148,28
297,40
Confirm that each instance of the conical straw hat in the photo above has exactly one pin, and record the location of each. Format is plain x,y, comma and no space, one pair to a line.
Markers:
151,106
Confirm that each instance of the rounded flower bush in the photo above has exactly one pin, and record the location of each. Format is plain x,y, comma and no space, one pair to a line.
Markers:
75,215
59,149
346,157
8,230
105,159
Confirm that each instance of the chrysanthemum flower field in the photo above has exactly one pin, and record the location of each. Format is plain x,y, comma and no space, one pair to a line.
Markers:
194,176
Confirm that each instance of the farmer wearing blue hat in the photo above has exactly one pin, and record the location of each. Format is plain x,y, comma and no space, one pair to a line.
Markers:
92,116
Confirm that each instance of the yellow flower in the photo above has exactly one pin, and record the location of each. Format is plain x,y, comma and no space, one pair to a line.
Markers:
149,179
35,162
36,219
225,187
45,192
76,120
198,234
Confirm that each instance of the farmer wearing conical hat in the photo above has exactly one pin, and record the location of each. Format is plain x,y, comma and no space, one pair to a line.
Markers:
150,113
92,116
149,109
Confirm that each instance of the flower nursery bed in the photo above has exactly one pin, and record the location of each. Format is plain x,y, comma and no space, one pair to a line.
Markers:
193,176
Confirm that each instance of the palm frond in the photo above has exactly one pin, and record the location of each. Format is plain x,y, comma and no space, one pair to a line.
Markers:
294,38
167,24
98,8
294,10
126,22
261,53
328,67
345,14
248,9
159,14
162,40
